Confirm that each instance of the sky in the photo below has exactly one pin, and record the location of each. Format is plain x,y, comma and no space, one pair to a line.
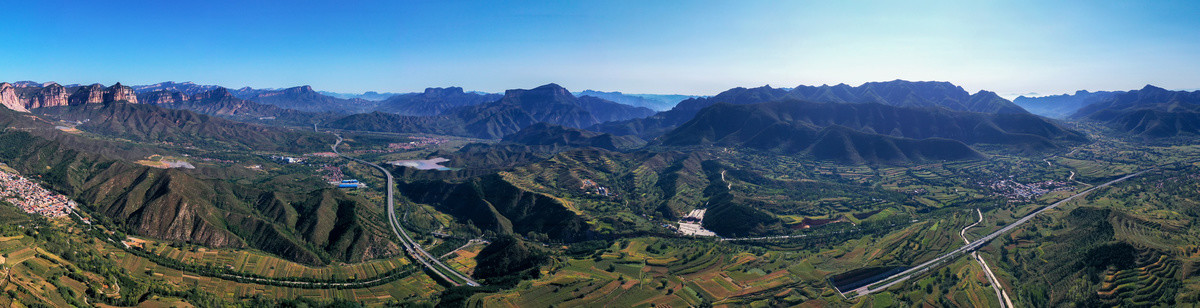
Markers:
684,47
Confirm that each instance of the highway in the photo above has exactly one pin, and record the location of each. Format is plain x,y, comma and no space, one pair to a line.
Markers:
411,247
923,267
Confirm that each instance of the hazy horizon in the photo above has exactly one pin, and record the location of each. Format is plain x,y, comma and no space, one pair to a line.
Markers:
689,48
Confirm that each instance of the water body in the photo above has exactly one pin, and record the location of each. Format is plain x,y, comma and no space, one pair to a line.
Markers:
424,164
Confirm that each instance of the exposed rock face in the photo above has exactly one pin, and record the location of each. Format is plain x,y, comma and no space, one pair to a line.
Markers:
98,94
118,92
162,97
28,95
219,93
93,94
50,95
8,98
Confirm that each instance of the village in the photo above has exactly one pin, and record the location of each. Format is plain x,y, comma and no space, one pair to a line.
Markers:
1014,190
32,198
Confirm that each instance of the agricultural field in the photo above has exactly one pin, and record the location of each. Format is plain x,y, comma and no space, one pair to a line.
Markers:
681,272
265,265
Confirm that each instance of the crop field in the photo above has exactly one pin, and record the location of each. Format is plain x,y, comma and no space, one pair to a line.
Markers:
680,273
414,286
463,259
961,283
245,261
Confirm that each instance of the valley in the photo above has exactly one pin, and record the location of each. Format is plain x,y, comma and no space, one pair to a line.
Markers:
532,200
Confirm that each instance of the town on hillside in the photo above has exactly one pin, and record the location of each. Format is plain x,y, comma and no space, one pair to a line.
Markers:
33,198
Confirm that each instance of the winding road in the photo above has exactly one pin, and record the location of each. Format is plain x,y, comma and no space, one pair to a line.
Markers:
972,246
447,273
1001,295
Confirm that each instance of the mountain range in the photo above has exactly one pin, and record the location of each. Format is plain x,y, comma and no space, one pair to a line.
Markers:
150,123
657,102
895,93
1062,106
865,132
1151,112
551,103
26,96
369,95
303,98
434,101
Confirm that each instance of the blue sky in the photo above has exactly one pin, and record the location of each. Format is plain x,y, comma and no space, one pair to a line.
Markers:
689,47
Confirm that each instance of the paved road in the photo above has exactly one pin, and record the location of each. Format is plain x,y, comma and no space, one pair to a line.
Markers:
415,250
923,267
1000,294
1005,301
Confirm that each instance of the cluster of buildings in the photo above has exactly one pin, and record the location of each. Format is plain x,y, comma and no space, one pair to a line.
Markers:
349,184
213,160
418,142
332,173
287,159
690,224
1014,190
32,198
591,187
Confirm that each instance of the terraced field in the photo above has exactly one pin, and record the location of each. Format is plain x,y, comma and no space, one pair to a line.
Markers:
1151,281
245,261
416,285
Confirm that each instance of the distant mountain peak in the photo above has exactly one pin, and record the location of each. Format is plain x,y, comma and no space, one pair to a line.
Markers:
1152,88
218,92
549,86
444,91
300,89
552,89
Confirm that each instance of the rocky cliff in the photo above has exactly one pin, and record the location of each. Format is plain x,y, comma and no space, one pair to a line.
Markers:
93,94
51,95
118,92
28,95
8,98
162,97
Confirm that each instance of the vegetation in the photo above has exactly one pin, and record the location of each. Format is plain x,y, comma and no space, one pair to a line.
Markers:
806,200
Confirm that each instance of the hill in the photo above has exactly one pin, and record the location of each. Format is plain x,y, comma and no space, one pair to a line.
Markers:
434,101
864,133
550,134
149,123
493,204
658,124
394,123
296,218
1151,112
